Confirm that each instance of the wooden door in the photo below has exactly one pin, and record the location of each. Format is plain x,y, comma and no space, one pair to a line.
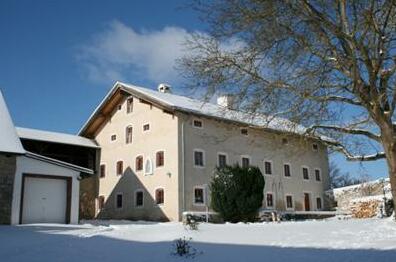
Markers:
307,202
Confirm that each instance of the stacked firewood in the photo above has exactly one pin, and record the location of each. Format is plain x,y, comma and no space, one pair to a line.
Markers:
365,209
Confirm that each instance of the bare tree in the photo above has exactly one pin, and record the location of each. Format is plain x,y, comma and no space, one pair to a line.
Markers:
329,65
338,178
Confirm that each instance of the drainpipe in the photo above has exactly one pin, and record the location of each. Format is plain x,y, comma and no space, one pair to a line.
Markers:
183,168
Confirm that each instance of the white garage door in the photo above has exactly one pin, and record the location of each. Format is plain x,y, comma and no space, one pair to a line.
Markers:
44,200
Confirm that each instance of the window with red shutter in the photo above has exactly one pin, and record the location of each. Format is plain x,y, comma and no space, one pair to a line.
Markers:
139,163
160,159
120,168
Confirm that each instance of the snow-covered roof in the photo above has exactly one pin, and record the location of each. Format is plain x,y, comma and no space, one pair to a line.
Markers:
9,140
55,137
58,163
198,107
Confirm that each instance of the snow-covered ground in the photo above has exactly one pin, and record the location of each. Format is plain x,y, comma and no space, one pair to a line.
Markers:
330,240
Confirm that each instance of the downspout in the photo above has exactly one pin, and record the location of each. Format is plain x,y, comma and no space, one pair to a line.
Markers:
183,168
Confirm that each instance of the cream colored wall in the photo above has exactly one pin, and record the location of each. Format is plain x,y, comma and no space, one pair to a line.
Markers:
162,136
218,136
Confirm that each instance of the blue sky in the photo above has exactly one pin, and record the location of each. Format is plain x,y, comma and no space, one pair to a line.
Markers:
59,58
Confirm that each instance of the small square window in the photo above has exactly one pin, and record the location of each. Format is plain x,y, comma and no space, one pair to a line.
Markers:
197,123
199,195
113,137
244,131
267,167
146,127
315,147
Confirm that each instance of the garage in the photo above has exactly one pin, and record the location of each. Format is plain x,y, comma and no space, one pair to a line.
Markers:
45,199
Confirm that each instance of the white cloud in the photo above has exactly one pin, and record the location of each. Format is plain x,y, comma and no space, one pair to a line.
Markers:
121,53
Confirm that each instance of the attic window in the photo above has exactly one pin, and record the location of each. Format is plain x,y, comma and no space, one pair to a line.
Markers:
129,105
244,131
146,127
197,123
113,137
315,147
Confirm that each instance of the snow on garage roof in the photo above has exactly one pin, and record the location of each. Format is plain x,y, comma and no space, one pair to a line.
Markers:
55,137
9,140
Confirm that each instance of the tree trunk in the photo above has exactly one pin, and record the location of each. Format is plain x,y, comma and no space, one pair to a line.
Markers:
389,145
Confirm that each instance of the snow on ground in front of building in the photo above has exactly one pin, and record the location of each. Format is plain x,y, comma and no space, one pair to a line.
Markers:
330,240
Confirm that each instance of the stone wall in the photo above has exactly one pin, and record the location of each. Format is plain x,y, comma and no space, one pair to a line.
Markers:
7,174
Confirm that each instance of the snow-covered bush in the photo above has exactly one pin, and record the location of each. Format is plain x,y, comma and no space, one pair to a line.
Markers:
191,222
183,248
237,193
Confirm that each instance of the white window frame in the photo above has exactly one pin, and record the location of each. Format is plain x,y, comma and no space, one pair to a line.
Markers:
197,119
320,174
289,208
122,202
116,167
272,167
155,196
273,200
204,194
221,153
302,173
146,131
245,156
135,198
290,170
126,105
203,157
148,159
135,163
126,131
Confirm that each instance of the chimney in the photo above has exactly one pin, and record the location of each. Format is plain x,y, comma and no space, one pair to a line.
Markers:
164,88
226,101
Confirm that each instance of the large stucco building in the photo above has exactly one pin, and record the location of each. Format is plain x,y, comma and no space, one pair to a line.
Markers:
159,151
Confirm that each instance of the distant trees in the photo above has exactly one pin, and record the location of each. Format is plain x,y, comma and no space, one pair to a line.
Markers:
237,193
339,178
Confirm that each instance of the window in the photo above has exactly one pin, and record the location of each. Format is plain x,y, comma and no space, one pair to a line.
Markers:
148,167
113,137
221,160
129,105
199,158
119,107
102,171
139,163
128,135
315,147
245,162
244,131
119,200
197,123
268,167
101,202
317,175
146,127
285,141
159,159
319,203
199,195
120,168
139,198
286,170
270,200
289,202
159,196
305,173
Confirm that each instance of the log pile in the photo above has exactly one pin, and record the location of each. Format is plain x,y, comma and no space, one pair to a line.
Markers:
366,209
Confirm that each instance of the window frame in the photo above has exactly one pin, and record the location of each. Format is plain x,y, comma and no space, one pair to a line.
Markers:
292,202
116,200
203,158
320,174
244,128
149,127
290,172
321,203
100,170
271,167
248,157
136,158
266,200
151,171
163,196
127,141
163,158
135,196
128,111
218,158
198,120
122,165
203,196
111,138
302,172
